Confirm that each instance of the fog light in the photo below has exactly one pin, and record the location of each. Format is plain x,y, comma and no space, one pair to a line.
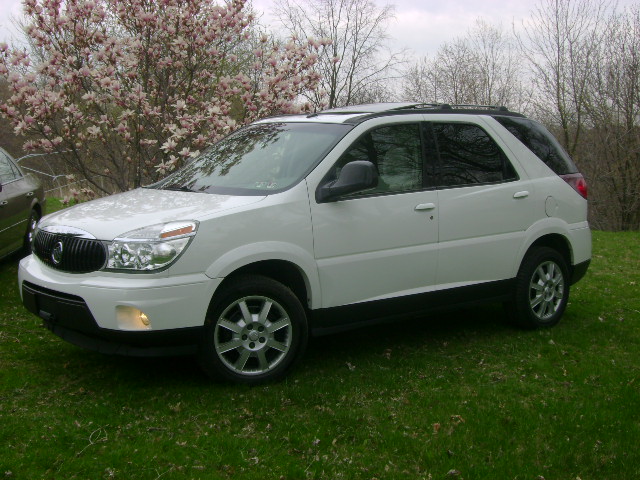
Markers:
130,318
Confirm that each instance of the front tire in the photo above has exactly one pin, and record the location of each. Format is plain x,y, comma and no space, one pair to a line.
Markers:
34,217
542,289
255,331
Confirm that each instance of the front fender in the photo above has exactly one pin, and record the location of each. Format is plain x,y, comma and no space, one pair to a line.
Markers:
250,253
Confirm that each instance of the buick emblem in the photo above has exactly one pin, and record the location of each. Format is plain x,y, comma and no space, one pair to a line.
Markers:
56,253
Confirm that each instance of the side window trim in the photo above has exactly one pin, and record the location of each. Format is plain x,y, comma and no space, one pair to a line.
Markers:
430,157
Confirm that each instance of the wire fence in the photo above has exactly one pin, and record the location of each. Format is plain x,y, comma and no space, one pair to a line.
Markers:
56,185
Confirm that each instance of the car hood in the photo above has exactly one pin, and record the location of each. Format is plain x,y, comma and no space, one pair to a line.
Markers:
108,217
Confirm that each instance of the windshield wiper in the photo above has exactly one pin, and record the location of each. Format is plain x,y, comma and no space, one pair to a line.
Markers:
178,189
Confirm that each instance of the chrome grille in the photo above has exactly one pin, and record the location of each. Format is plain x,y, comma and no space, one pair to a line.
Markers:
73,254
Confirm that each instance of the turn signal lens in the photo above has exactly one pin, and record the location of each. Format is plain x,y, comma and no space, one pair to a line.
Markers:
187,229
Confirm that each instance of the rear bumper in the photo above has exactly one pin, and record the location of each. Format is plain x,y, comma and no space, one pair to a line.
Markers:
579,270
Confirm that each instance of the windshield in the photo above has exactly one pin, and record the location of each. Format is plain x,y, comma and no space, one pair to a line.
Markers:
257,160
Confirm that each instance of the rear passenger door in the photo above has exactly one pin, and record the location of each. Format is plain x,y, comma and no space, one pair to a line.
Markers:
485,205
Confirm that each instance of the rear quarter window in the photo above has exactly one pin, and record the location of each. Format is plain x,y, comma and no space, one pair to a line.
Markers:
541,142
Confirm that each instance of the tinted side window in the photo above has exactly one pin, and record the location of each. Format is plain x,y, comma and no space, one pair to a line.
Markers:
7,171
468,155
396,152
538,139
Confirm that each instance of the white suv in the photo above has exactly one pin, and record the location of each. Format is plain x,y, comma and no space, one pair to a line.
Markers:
303,225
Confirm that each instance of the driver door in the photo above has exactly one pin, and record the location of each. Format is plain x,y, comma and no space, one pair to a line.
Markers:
379,243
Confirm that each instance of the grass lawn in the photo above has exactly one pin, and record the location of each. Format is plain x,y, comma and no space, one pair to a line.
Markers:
456,395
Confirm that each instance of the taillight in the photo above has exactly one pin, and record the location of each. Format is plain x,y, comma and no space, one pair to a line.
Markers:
577,181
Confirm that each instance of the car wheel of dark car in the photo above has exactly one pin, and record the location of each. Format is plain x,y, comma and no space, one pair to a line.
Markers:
34,217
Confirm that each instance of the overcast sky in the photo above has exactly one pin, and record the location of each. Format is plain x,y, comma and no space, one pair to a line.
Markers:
420,25
423,25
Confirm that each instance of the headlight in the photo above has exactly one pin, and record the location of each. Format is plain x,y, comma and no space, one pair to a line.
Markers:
150,248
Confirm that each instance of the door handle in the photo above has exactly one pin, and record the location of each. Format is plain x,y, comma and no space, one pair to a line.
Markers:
523,194
425,206
30,194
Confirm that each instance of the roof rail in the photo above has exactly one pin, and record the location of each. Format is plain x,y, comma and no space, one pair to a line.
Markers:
448,106
380,110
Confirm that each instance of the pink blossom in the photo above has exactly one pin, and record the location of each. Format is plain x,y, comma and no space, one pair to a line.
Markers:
168,145
93,130
19,127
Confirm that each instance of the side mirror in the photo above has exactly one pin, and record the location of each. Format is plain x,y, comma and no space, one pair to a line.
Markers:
354,177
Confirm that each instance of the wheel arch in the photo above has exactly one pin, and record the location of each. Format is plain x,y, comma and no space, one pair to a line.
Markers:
286,263
37,206
282,271
558,242
550,232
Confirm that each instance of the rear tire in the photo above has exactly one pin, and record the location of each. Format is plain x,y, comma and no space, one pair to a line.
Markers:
255,331
542,289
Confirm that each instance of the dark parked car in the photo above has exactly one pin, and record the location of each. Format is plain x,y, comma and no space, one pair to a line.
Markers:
21,206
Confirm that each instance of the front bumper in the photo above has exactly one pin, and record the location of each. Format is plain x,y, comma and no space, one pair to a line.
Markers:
82,308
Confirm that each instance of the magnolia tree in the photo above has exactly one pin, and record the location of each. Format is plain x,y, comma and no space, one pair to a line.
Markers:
126,90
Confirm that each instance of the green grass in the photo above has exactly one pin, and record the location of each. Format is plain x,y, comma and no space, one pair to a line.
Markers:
455,392
53,204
